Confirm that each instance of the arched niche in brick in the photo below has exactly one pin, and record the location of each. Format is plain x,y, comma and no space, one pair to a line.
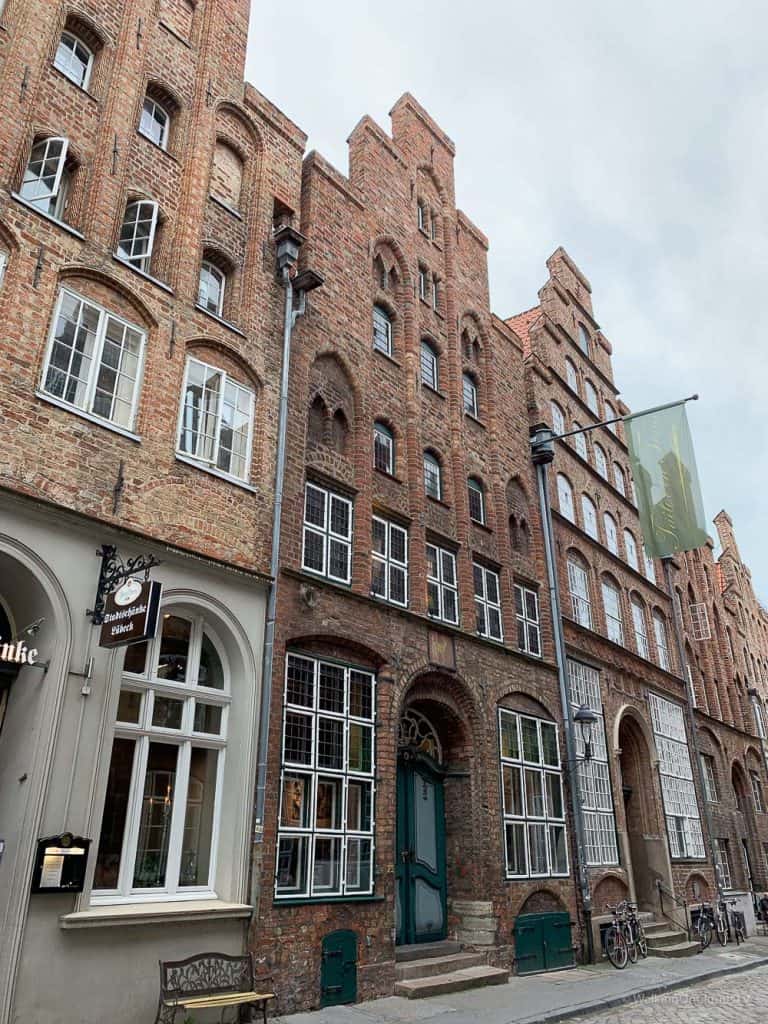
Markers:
235,160
519,518
330,417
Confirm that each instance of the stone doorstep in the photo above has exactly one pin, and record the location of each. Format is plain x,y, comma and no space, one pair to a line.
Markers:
455,981
424,950
430,966
666,937
475,908
476,938
681,949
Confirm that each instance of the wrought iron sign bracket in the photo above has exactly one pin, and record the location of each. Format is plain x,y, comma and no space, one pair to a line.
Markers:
115,571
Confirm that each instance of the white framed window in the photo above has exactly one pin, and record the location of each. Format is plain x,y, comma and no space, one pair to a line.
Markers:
708,774
677,789
327,534
435,293
593,776
578,588
724,862
476,496
155,122
389,567
94,360
421,214
558,418
442,588
469,394
487,602
137,234
700,622
583,339
327,790
611,533
589,516
528,620
430,367
630,546
423,283
433,226
382,330
650,569
160,827
433,483
757,791
591,396
46,183
662,644
580,441
216,419
4,257
641,629
210,292
565,498
571,376
610,414
74,59
601,463
535,839
383,449
612,608
619,480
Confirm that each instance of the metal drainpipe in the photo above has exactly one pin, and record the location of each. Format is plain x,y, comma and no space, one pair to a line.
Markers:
542,453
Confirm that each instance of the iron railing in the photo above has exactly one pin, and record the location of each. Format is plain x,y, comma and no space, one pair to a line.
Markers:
678,901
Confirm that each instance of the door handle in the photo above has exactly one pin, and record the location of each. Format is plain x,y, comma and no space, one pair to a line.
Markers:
406,855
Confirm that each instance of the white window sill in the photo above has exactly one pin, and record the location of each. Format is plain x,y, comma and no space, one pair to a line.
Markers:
213,471
154,913
52,400
47,216
142,273
220,320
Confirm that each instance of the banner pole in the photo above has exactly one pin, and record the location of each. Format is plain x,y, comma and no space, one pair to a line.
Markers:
623,419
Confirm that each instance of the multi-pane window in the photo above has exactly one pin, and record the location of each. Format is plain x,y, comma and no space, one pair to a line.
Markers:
137,234
469,394
757,791
700,622
421,215
325,842
382,330
165,790
580,441
435,293
74,59
650,570
532,790
383,449
442,588
210,291
641,629
216,419
154,123
591,396
528,620
565,498
558,418
571,376
589,516
327,534
677,789
662,645
487,602
601,463
46,182
724,862
583,339
94,360
610,414
429,366
433,485
423,283
612,608
630,546
389,561
611,533
708,774
578,587
476,496
594,781
619,480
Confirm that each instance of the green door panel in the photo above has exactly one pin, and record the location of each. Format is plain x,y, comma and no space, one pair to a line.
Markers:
420,873
543,942
338,971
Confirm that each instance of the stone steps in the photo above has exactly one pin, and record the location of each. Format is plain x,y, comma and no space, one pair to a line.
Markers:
684,948
454,981
428,967
660,939
424,950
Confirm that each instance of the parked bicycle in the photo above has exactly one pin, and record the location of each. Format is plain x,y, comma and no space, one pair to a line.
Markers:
633,927
721,923
616,947
735,921
702,929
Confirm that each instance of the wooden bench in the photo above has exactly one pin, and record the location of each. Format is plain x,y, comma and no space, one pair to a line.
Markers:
212,981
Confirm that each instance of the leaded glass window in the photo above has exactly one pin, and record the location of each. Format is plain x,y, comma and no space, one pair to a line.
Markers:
389,561
487,602
327,534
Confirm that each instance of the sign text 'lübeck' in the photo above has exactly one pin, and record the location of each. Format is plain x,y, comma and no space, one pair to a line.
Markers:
130,613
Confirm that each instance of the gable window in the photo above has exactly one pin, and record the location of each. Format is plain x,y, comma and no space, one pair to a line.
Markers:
610,414
325,842
442,589
429,366
580,441
619,480
327,542
565,498
558,419
46,181
578,588
210,293
757,791
528,621
155,122
700,623
708,774
433,226
589,515
612,608
74,59
382,330
216,421
476,495
421,215
583,339
389,570
94,360
724,862
641,629
137,234
383,449
611,534
433,485
423,283
650,570
160,827
532,789
630,546
469,394
601,463
591,395
571,376
662,646
436,293
487,602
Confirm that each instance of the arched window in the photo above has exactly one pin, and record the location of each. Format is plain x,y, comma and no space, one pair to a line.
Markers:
155,121
601,463
589,516
650,570
227,175
578,588
382,330
137,234
571,376
610,414
383,449
74,59
4,258
469,390
430,367
591,396
611,533
619,480
558,418
164,796
630,546
476,494
612,608
47,179
565,498
641,628
580,442
583,339
433,484
662,644
211,288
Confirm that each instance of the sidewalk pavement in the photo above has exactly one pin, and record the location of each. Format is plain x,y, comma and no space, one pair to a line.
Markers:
546,998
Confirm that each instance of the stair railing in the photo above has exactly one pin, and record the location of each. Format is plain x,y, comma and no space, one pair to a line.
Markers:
677,901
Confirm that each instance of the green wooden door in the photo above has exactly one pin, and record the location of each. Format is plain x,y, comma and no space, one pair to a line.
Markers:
543,942
420,911
338,972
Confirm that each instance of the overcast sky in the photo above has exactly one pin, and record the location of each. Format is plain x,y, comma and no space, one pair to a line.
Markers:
633,135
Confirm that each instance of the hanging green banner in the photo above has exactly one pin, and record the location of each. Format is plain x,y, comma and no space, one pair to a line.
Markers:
666,480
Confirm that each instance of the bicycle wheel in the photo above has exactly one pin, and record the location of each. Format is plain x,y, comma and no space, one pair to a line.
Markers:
616,947
629,938
721,930
642,942
704,929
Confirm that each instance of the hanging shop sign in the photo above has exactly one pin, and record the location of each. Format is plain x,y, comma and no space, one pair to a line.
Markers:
60,864
130,613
